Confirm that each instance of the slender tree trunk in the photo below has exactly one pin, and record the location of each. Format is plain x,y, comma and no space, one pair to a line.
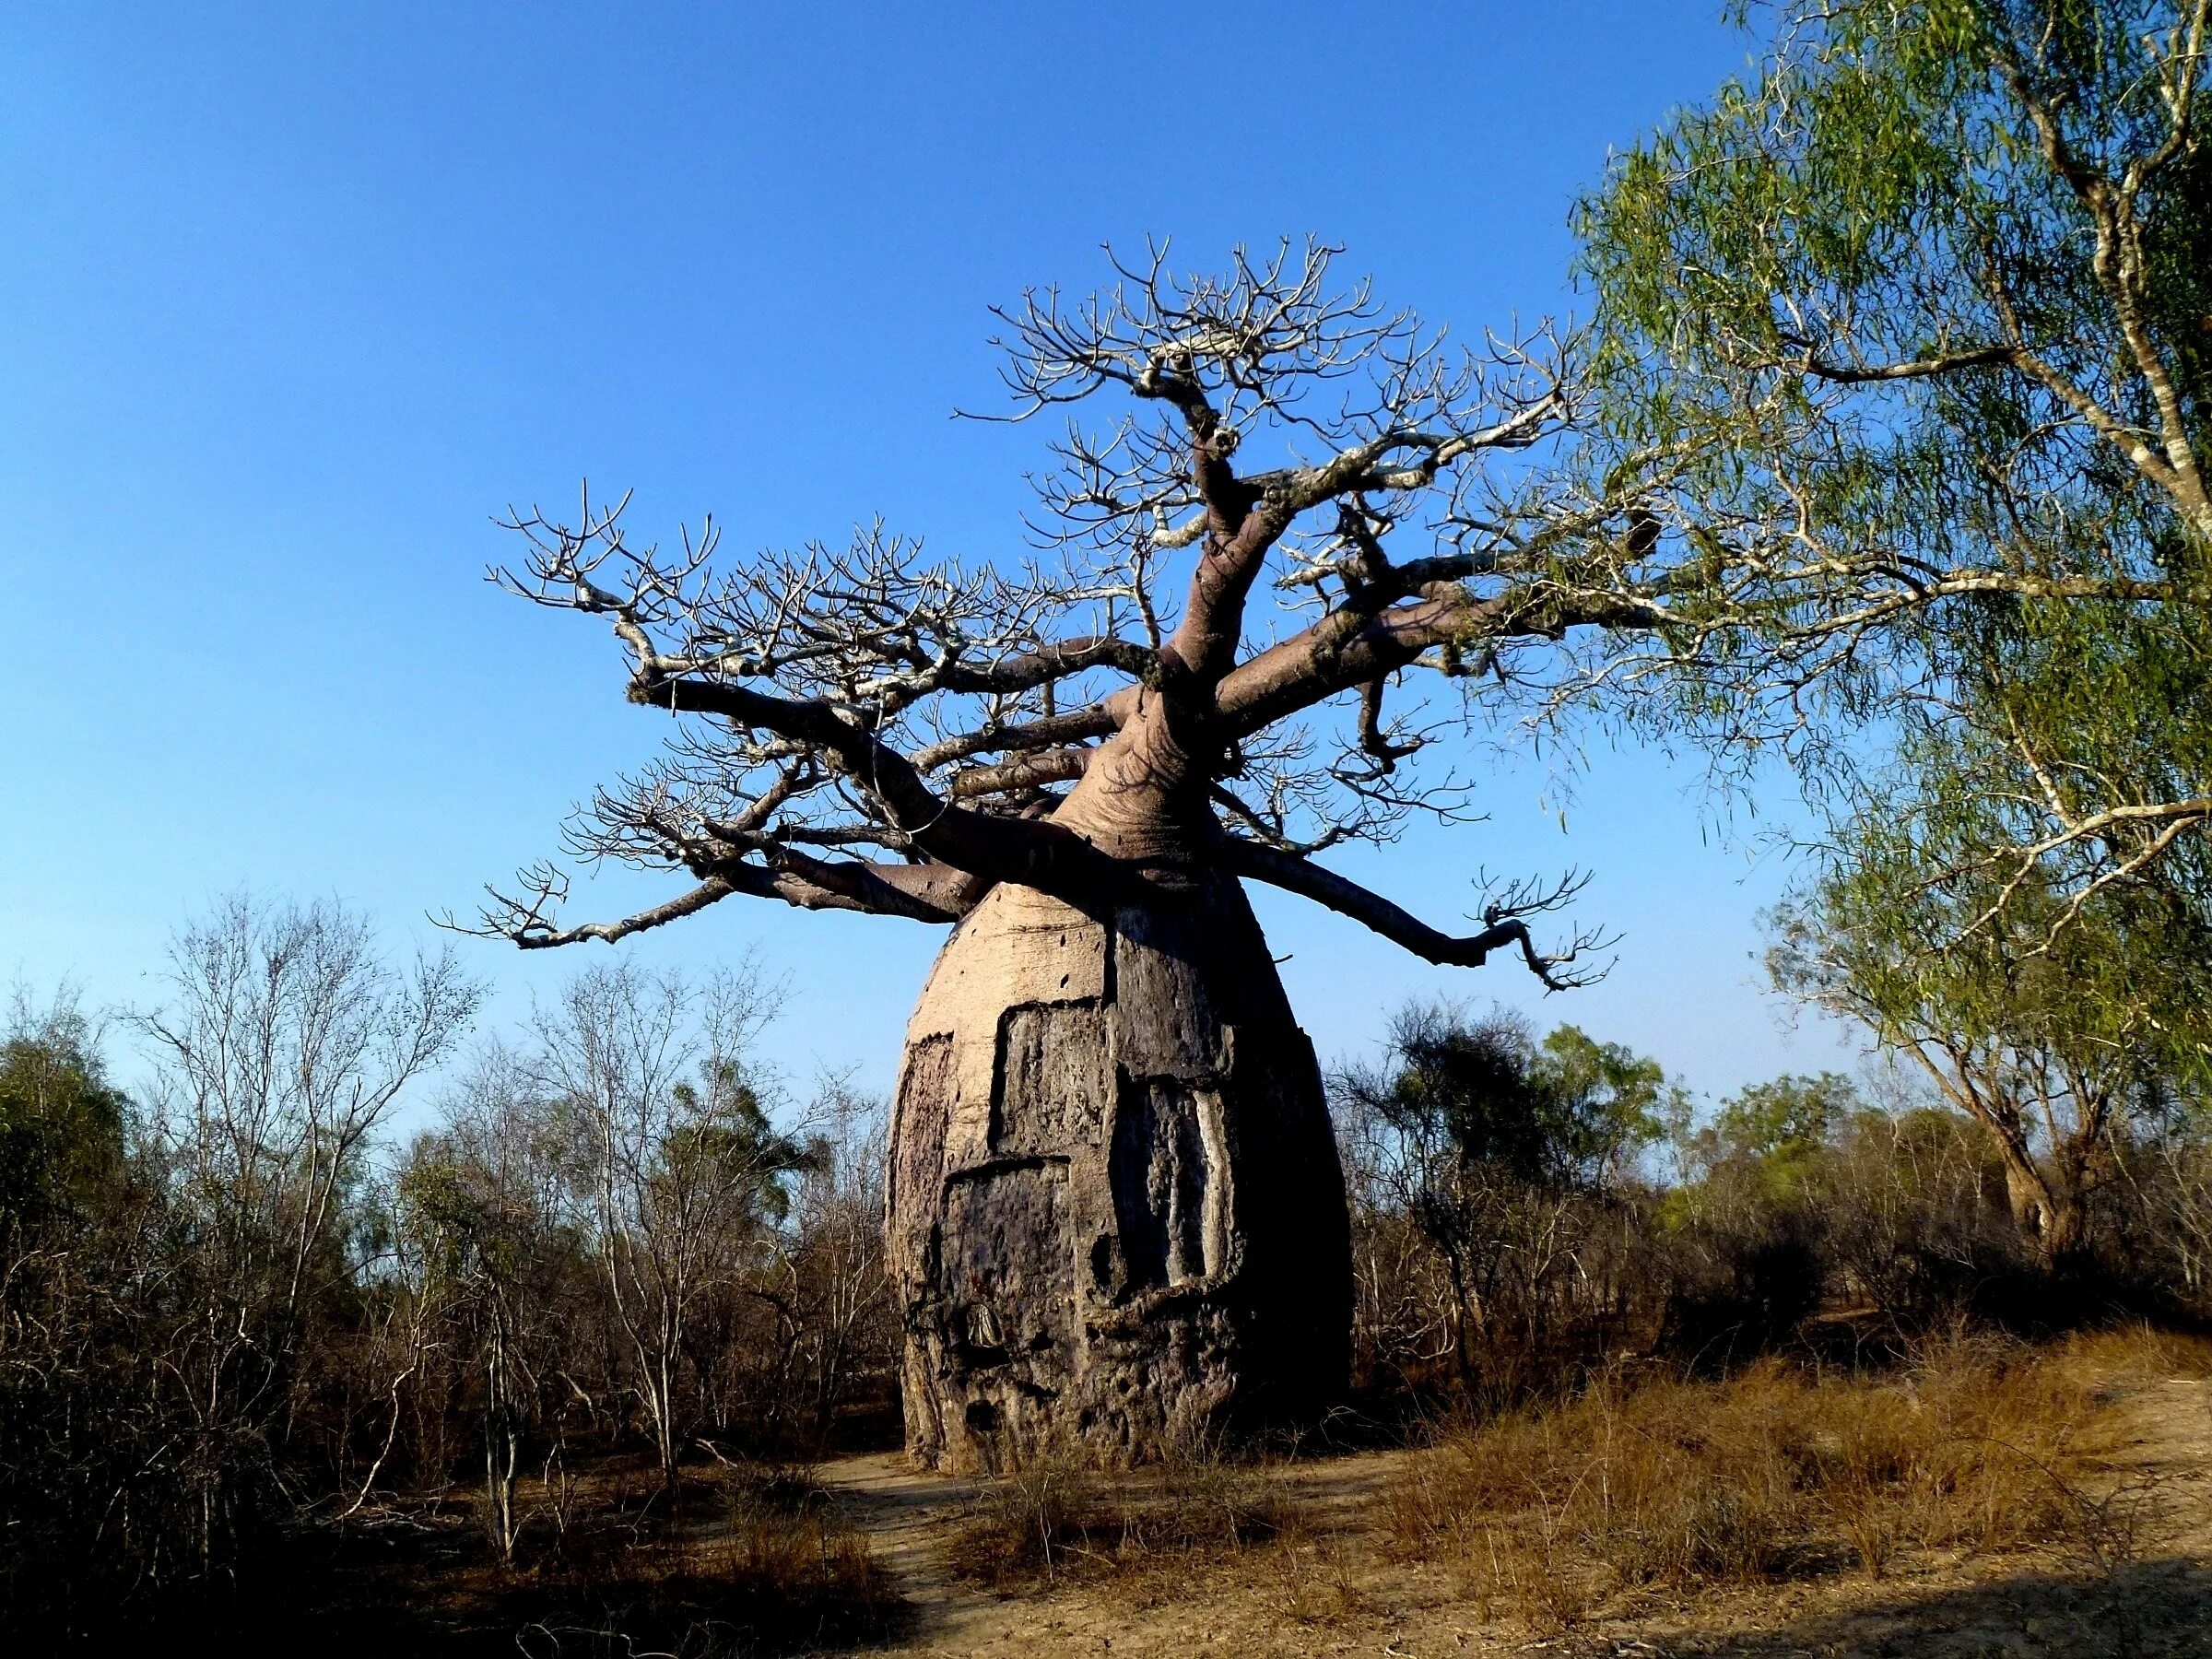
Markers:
1115,1214
2046,1202
1466,1318
2047,1214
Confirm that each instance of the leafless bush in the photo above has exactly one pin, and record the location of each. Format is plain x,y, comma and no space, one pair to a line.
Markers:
230,1319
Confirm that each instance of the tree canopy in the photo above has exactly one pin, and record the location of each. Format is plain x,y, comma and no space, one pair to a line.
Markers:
1292,501
1907,332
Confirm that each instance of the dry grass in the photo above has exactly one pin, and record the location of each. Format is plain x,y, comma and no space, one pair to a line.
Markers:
1053,1518
1781,1473
753,1562
739,1559
770,1584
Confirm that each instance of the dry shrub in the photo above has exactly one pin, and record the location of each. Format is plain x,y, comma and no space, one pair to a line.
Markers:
1776,1473
768,1583
1054,1516
2138,1353
1317,1577
1029,1524
747,1559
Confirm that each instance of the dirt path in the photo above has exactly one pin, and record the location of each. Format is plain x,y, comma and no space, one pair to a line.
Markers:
2170,1447
1334,1588
907,1517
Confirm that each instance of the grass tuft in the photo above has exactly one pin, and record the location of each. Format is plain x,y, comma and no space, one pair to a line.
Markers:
1055,1517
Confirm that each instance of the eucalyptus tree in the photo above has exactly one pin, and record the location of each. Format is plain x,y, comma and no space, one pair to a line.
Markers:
1909,333
2064,1044
1115,1208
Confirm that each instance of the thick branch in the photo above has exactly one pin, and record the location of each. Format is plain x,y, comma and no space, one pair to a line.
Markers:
1033,853
1851,374
1369,909
1023,771
924,892
1051,730
1048,662
1311,666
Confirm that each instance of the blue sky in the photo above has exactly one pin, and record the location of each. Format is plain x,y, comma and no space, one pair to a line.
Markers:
298,297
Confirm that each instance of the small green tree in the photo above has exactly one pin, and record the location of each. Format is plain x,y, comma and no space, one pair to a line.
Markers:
486,1261
2051,1043
68,1376
673,1171
1487,1140
1780,1128
61,1127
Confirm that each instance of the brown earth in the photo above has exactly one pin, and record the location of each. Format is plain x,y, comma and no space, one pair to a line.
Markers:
2134,1579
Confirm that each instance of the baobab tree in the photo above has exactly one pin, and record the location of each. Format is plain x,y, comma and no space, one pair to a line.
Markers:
1114,1208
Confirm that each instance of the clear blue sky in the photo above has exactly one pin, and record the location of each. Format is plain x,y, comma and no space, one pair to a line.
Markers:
296,297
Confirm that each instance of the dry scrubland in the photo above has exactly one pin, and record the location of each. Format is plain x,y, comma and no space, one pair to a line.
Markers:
1893,408
536,1383
561,1379
1986,1497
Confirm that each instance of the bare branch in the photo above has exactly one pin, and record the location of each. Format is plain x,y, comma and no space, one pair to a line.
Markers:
1505,920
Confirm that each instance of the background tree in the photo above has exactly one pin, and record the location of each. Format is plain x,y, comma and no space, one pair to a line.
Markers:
1907,333
287,1038
1780,1127
2054,1043
674,1169
200,1413
1502,1152
837,1324
490,1265
71,1207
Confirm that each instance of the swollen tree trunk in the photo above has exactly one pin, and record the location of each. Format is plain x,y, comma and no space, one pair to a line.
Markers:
1115,1213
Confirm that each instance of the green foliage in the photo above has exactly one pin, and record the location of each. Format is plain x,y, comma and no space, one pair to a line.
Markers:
1567,1111
1902,930
1877,193
1783,1127
2066,1026
720,1139
1500,1172
61,1126
1909,334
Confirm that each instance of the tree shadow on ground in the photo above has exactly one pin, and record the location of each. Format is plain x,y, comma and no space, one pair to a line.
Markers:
2144,1611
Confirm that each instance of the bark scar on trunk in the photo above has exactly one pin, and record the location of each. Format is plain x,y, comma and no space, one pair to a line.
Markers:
1115,1213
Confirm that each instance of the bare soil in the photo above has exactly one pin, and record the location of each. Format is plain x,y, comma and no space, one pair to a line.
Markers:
2134,1579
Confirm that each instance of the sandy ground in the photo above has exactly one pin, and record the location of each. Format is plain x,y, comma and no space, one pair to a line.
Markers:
1337,1589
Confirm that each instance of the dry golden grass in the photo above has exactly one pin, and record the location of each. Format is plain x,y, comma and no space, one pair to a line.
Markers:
1055,1518
1980,1445
1986,1497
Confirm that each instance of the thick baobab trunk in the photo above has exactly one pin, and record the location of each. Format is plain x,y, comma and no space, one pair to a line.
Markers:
1115,1212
